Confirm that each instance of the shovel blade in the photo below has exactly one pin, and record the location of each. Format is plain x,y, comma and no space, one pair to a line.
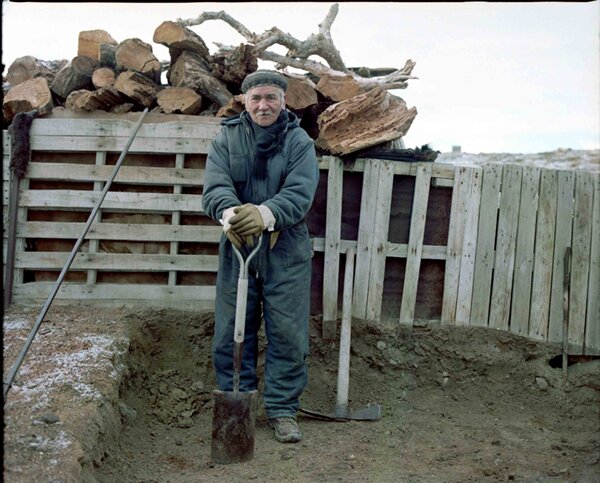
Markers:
369,413
234,417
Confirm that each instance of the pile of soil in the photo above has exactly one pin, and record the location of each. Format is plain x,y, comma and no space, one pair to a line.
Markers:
126,395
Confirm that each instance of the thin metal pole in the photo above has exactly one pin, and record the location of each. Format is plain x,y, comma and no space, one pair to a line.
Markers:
19,361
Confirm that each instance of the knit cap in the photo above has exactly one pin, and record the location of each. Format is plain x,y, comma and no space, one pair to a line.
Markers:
264,78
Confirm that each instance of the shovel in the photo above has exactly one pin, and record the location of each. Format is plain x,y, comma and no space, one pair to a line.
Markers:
341,412
234,412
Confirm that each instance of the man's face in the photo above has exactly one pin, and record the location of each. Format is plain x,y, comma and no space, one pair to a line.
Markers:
264,104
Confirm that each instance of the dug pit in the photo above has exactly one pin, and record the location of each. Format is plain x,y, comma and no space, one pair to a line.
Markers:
126,395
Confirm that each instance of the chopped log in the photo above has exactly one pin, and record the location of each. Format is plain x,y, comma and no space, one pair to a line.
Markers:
28,67
233,107
300,93
74,76
136,55
107,55
90,41
179,37
103,77
138,87
27,96
363,121
191,70
233,67
103,99
339,88
123,108
179,100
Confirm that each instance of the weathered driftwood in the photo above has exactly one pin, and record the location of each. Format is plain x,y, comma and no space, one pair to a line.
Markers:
233,107
136,55
339,88
74,76
28,67
138,87
179,38
27,96
366,120
179,100
90,40
103,99
298,54
103,77
232,67
191,70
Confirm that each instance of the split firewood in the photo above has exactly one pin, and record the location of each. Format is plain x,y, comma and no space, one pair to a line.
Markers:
27,96
103,99
28,67
103,77
300,93
90,40
179,100
136,55
233,67
339,88
123,108
297,56
179,38
74,76
140,88
233,107
107,55
191,70
366,120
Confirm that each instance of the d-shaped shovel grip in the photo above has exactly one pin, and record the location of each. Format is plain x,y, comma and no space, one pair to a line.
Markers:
242,291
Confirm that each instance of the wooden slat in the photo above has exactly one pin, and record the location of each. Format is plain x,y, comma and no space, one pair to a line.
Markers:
118,262
117,201
469,247
521,302
93,244
505,247
429,252
544,256
592,325
176,219
380,239
127,174
580,267
366,230
333,230
486,236
454,245
415,244
121,231
562,240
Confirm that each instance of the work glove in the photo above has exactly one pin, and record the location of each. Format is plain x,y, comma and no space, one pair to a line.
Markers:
247,220
235,239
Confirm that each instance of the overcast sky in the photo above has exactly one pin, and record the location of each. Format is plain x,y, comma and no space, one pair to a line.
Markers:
493,76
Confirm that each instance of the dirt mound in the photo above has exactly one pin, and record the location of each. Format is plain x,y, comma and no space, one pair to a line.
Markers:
127,396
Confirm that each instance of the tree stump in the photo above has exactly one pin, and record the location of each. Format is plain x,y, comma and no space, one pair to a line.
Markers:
233,67
103,77
27,96
137,87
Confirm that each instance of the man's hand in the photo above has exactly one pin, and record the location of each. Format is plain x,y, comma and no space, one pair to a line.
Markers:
235,239
247,220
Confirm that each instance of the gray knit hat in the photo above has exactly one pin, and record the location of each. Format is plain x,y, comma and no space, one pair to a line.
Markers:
264,78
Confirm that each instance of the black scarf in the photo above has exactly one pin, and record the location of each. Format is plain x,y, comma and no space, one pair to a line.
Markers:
268,141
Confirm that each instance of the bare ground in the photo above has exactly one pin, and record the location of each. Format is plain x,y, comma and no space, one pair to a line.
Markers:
126,396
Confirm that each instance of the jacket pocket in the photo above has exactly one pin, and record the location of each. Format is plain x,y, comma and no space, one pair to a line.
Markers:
238,164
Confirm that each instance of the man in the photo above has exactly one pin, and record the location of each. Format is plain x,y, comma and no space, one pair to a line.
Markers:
261,177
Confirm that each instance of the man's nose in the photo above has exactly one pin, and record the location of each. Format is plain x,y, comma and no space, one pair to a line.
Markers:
262,104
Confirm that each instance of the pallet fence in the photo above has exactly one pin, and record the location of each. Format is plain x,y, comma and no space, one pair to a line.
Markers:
502,256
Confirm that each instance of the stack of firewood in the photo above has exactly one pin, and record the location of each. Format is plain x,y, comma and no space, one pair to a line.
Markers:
343,109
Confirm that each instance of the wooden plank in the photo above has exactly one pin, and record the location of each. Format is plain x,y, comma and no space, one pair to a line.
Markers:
428,252
521,302
469,247
544,256
127,174
176,219
562,240
438,170
21,218
486,236
333,231
415,244
592,325
318,245
93,244
130,262
117,201
580,267
380,239
454,246
366,230
505,247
